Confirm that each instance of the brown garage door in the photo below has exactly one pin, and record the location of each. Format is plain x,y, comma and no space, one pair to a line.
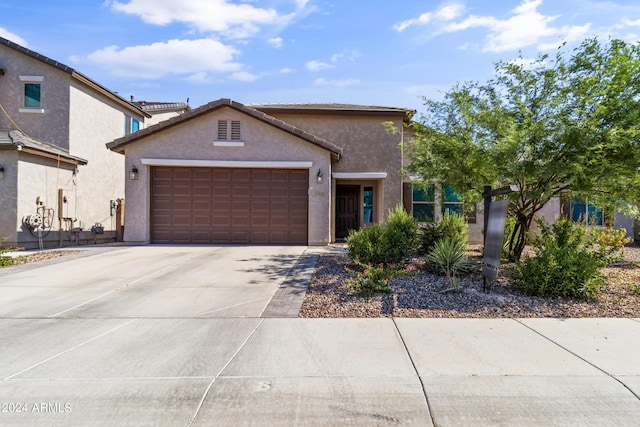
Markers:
222,205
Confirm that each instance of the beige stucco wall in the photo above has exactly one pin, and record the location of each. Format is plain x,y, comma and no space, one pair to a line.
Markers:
367,147
38,180
8,195
51,126
193,140
94,121
160,117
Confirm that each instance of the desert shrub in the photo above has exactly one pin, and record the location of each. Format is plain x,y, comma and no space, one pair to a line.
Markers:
369,279
449,225
367,244
7,261
402,222
568,261
447,257
393,242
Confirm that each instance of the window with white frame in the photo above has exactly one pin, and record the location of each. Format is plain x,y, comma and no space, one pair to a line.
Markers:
131,124
32,94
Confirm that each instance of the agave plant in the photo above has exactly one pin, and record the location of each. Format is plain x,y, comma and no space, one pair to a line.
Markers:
447,257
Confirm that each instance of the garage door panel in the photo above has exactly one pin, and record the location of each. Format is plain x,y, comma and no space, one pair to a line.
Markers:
223,205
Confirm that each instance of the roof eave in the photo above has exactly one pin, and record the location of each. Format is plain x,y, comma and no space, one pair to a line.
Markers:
104,91
119,144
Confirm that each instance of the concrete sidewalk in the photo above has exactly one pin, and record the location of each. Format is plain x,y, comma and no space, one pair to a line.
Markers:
90,367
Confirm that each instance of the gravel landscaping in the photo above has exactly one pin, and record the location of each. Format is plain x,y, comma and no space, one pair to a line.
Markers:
421,294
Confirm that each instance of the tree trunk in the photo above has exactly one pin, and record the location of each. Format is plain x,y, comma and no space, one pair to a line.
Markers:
518,238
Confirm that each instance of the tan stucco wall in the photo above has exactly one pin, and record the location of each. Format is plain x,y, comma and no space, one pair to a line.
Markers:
160,117
94,121
193,140
39,179
8,195
367,147
51,126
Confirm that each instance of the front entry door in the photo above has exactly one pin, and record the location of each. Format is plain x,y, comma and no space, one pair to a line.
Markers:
347,203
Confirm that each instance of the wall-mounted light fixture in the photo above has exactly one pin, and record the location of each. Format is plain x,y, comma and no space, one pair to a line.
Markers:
319,176
1,172
133,173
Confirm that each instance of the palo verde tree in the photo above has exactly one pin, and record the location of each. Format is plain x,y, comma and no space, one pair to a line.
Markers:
568,124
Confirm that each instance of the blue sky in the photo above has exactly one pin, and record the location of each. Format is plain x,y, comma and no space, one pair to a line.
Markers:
374,52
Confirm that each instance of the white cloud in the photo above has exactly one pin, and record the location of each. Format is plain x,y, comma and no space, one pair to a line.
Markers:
199,78
526,26
275,42
175,57
243,76
317,65
448,12
232,19
286,70
335,83
347,54
4,33
423,19
627,22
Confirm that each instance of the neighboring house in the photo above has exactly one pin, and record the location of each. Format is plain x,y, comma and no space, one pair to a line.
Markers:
284,174
57,181
161,111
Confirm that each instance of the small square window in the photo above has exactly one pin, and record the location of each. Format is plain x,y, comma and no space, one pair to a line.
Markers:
32,95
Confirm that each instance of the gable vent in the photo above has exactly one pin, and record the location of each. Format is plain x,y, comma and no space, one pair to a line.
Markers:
222,130
235,130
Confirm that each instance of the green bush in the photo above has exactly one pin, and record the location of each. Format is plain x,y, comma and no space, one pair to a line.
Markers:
447,257
393,242
368,279
7,261
450,225
402,222
568,262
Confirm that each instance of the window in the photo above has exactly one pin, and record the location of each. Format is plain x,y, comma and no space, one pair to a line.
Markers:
423,201
367,209
32,95
223,130
425,208
131,125
582,211
451,201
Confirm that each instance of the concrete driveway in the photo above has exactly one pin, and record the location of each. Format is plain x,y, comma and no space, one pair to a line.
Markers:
150,282
186,336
